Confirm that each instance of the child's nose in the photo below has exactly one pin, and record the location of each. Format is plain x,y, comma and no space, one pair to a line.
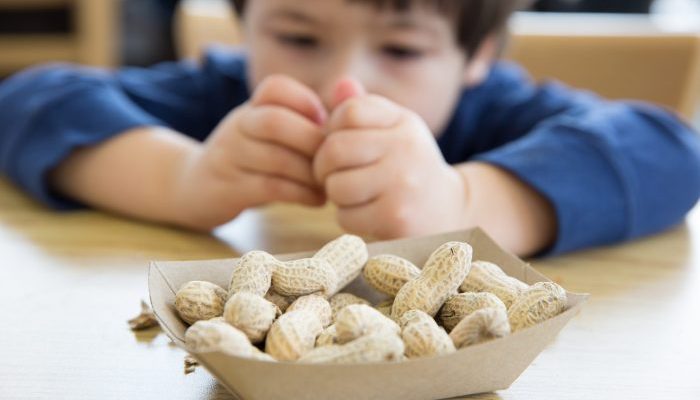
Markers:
338,90
353,77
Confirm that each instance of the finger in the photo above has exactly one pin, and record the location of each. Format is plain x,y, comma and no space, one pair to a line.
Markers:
268,188
271,159
284,127
364,112
354,187
362,220
349,149
381,218
284,91
345,89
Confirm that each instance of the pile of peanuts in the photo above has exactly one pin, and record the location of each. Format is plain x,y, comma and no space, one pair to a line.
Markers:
293,311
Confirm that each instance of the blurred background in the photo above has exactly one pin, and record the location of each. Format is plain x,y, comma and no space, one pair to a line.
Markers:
640,49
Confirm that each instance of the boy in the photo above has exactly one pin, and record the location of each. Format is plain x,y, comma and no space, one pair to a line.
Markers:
542,169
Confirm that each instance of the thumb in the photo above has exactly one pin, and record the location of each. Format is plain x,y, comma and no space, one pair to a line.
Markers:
345,89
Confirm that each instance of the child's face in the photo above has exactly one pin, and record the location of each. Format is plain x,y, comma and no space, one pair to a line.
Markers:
410,57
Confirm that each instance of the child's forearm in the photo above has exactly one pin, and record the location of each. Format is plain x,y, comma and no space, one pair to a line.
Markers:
512,212
135,173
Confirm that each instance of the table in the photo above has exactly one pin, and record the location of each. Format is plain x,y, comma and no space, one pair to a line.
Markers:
69,282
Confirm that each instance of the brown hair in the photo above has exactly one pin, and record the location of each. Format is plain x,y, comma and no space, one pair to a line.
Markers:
474,20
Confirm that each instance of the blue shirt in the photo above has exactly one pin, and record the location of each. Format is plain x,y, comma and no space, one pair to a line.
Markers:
613,171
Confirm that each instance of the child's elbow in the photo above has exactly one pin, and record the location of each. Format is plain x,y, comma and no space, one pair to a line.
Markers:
685,175
693,170
688,165
667,181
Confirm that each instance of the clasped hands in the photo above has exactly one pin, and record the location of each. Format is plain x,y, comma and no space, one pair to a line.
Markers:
377,161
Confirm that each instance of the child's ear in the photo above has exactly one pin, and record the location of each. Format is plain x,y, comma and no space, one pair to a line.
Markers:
478,67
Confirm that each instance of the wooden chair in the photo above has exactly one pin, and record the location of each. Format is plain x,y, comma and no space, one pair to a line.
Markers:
92,41
620,57
201,23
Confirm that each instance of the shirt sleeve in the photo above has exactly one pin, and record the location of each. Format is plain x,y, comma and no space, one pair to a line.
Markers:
613,171
49,111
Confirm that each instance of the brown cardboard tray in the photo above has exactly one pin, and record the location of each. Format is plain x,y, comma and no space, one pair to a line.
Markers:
481,368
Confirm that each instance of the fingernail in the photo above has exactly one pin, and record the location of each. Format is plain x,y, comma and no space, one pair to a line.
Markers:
347,88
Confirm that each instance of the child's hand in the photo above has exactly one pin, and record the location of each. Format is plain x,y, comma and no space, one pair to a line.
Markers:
261,152
383,169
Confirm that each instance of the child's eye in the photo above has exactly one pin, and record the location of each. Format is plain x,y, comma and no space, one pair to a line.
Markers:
402,52
299,41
